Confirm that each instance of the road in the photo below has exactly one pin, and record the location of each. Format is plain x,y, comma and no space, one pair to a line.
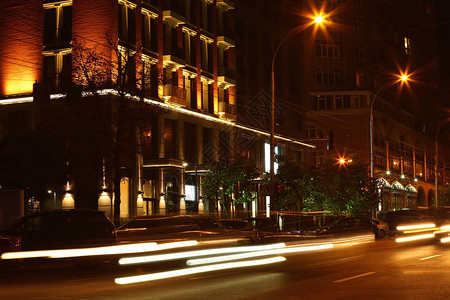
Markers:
382,269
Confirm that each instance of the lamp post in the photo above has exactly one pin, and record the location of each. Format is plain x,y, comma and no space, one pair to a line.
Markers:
402,78
436,162
317,20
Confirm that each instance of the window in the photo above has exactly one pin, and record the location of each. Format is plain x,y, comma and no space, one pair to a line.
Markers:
149,31
407,46
58,68
356,102
205,99
57,24
206,53
127,22
360,79
339,101
149,76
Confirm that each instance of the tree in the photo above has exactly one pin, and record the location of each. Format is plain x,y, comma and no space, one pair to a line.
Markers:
223,180
117,68
345,189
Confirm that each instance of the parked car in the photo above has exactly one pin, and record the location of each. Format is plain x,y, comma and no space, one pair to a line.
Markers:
400,217
355,225
62,229
181,227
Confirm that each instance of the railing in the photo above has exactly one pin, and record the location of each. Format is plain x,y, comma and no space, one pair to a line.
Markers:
177,95
228,108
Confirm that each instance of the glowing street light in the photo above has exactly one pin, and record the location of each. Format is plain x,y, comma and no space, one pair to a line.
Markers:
317,20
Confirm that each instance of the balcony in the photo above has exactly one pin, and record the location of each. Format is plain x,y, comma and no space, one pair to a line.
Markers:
173,18
225,4
227,111
174,95
227,76
225,41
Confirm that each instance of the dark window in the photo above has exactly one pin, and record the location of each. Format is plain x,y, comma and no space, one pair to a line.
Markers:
58,25
193,93
66,32
347,101
190,142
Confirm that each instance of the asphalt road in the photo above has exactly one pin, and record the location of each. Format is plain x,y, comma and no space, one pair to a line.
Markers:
381,269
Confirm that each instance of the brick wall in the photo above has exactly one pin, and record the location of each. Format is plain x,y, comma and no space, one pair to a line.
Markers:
21,41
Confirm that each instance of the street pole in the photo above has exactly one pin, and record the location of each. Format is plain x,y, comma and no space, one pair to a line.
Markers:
436,162
403,78
371,130
290,34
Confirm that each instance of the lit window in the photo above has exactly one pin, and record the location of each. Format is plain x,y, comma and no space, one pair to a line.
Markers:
267,158
127,21
149,30
58,67
407,46
58,23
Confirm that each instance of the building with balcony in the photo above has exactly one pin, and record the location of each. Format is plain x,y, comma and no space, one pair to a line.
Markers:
163,120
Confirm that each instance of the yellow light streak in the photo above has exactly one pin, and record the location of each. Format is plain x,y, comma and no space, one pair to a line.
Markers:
414,238
216,259
196,253
416,226
107,250
421,230
196,270
221,241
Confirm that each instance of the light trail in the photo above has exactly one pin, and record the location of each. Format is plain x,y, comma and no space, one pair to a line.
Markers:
196,270
196,253
415,238
416,226
107,250
216,259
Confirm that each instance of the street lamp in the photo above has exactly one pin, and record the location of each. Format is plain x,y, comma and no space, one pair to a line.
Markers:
436,162
403,78
319,19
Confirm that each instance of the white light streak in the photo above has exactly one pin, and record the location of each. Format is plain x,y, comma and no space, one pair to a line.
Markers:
216,259
196,270
415,238
16,100
196,253
445,240
107,250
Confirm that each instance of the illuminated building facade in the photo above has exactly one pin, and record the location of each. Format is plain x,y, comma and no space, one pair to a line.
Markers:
184,70
362,49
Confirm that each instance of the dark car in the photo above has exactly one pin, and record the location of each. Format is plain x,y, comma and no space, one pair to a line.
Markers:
350,226
59,229
181,227
400,217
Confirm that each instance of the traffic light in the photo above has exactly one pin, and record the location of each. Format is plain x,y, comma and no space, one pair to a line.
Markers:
330,144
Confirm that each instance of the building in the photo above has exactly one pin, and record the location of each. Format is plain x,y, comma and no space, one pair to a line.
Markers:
179,61
356,62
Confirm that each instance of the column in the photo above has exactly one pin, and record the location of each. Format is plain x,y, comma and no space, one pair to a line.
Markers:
140,188
388,164
162,192
182,192
425,173
216,143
